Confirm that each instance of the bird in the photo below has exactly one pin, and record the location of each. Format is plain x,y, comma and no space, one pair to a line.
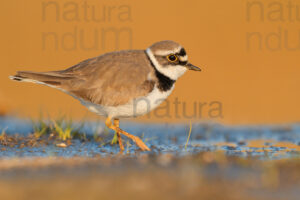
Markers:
120,84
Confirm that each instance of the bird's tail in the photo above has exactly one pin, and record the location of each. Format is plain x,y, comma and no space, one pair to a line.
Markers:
52,79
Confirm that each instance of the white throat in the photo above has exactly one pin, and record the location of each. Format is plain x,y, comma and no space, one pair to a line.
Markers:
171,71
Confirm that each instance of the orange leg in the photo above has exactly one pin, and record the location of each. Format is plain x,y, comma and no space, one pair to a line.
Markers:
116,124
137,140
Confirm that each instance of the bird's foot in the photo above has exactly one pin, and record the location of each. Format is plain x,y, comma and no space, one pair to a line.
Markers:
119,131
137,141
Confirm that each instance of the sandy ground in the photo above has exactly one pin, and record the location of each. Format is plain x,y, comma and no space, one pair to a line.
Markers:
201,176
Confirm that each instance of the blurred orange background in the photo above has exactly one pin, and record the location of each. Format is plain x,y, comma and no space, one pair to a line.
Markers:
248,50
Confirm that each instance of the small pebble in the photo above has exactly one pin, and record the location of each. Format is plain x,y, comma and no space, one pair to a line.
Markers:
62,145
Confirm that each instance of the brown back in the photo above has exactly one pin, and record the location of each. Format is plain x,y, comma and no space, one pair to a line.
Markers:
111,79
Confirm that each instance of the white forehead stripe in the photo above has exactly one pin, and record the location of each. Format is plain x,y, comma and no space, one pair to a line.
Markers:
184,58
167,52
171,71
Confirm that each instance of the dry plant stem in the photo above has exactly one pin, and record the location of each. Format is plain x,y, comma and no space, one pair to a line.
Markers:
188,139
116,124
137,140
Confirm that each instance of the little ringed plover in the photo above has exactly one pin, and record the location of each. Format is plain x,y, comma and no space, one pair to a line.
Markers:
120,84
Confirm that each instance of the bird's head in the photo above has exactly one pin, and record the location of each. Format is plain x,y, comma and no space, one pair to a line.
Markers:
170,59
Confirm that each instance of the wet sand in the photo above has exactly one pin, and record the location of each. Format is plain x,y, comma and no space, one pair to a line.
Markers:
219,162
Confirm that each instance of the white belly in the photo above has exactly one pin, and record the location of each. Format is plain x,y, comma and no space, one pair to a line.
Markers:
137,107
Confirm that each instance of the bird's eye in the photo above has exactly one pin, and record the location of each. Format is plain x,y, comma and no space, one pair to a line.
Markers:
172,58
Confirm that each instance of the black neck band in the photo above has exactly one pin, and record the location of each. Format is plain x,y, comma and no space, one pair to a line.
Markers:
164,82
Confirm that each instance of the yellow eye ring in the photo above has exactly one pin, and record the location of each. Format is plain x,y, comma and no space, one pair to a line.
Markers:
172,58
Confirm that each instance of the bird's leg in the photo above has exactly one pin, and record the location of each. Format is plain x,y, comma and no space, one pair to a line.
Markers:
116,124
137,140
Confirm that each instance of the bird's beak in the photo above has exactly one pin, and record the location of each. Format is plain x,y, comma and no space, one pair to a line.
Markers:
192,67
